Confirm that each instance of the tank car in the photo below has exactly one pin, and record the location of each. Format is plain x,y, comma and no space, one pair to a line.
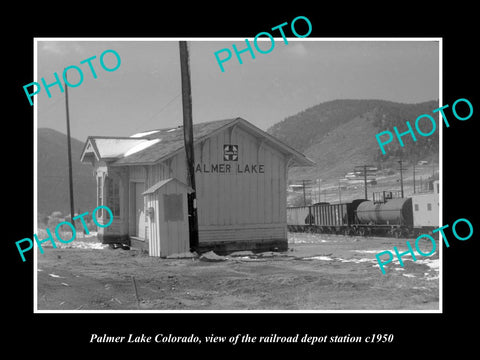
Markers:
395,217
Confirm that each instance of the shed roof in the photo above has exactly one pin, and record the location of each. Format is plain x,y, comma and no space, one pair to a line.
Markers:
155,146
162,183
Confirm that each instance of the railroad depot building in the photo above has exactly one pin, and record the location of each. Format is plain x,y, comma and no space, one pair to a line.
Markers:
241,187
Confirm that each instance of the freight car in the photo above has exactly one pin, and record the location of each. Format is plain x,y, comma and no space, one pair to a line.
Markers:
401,217
394,217
324,218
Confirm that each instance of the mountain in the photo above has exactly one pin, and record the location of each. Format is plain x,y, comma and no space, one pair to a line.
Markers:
52,175
339,135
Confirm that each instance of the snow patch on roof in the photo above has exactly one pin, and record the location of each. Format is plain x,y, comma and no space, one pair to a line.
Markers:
113,148
137,135
142,146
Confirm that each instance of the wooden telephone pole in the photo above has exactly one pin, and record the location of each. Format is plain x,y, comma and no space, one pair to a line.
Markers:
414,185
401,176
365,170
365,181
188,137
69,151
339,192
304,196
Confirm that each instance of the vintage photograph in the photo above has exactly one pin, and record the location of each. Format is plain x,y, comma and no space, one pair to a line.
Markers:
231,175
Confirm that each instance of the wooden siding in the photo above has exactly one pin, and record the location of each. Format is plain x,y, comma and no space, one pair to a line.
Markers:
138,173
240,198
241,206
254,232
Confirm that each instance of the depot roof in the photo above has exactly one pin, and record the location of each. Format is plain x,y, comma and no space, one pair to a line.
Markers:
155,146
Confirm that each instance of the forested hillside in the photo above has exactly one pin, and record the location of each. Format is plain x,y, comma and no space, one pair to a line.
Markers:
340,134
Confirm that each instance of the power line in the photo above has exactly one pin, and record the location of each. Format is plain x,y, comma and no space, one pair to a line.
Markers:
159,111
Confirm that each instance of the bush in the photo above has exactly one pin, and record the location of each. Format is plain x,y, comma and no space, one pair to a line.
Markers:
91,226
42,220
54,219
56,214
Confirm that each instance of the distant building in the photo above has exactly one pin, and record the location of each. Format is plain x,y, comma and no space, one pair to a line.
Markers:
241,181
426,206
295,187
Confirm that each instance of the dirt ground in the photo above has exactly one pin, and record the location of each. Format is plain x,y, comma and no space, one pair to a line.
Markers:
318,272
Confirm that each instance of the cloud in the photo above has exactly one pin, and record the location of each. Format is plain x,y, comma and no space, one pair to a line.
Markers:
51,46
60,47
296,49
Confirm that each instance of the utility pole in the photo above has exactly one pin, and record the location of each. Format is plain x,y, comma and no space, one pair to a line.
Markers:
365,180
414,191
304,197
319,192
401,177
83,229
339,192
188,137
69,152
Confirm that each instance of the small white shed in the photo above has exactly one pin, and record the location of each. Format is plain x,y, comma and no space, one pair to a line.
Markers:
166,212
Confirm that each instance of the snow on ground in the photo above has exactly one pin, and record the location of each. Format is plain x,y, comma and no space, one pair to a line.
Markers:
81,241
325,258
368,251
433,265
85,245
305,238
351,249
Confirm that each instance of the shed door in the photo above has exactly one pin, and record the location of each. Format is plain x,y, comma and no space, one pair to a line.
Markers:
139,211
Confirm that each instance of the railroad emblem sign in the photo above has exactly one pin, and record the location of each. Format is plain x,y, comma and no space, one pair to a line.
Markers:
230,152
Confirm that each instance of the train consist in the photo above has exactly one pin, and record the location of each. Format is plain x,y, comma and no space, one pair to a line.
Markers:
400,217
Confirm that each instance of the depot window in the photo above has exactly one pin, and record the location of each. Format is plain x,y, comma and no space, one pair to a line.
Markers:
99,195
429,207
112,186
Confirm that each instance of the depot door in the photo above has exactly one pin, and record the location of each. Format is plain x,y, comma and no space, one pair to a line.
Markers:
139,210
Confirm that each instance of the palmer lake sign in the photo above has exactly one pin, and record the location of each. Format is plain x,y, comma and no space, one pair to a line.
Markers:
230,168
230,153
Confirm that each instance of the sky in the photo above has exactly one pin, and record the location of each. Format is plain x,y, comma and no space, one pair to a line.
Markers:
144,93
